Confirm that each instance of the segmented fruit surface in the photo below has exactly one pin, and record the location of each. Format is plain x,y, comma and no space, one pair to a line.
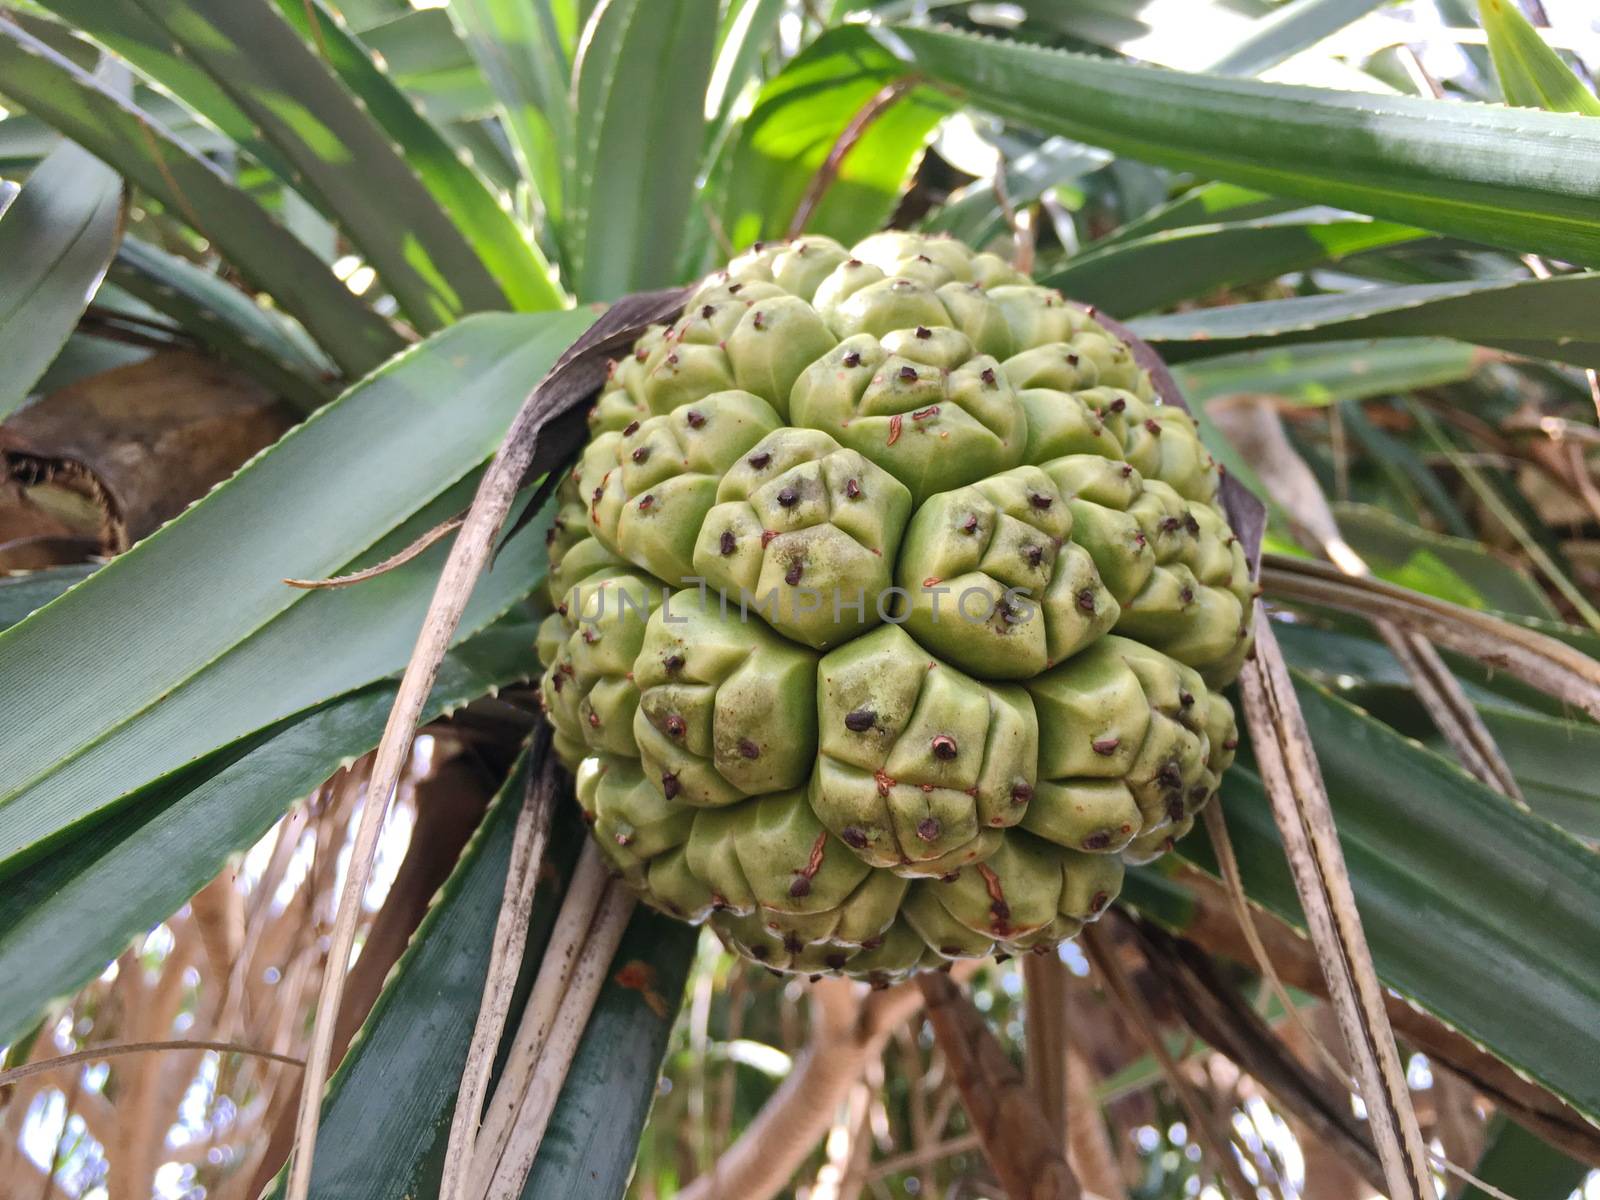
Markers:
892,609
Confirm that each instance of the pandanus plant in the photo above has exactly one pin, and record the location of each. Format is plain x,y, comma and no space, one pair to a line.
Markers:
570,334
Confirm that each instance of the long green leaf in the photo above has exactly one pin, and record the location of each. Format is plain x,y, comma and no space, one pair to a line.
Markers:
511,258
974,215
640,88
133,35
1208,204
1325,644
1539,749
747,31
1387,542
25,593
324,645
66,916
422,53
195,191
56,238
1516,1160
226,321
1330,372
518,46
1539,746
1532,74
24,140
1137,276
1479,912
191,639
1522,180
375,1144
800,116
1548,318
338,156
364,14
1294,27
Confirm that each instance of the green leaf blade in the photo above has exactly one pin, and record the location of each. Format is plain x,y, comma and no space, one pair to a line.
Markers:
1294,27
1137,276
226,321
1549,318
337,154
196,619
1532,74
1521,180
639,87
388,1106
589,1148
1517,1159
800,116
65,917
195,191
56,239
513,259
518,47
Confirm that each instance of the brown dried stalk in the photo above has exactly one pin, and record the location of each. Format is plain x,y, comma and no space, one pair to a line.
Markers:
1089,1149
1023,241
509,1175
505,960
399,559
468,558
1538,660
1220,1018
1289,771
99,1053
1233,882
577,913
1213,927
1024,1149
550,405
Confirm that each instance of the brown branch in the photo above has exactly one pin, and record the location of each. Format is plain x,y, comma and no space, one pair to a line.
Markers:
1251,423
925,1155
847,1032
585,893
1209,1128
1213,926
1089,1149
852,133
1221,1019
449,804
97,1053
1025,1152
1233,882
1044,980
1022,235
509,1175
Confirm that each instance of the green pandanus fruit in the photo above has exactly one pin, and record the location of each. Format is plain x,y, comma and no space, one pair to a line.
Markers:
893,609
